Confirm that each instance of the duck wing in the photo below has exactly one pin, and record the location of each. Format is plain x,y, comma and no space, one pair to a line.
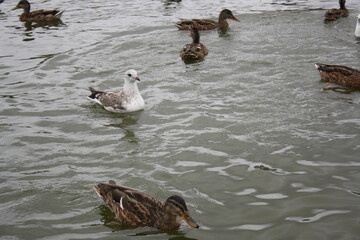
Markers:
193,51
132,207
201,24
334,14
42,16
339,74
44,12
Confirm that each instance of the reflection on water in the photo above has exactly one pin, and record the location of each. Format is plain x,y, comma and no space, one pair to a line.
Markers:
248,137
109,220
128,123
45,25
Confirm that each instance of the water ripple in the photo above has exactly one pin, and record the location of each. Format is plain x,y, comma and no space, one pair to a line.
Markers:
328,164
253,227
318,215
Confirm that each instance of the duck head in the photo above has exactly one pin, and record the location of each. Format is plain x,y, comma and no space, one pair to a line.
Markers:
176,206
24,5
227,14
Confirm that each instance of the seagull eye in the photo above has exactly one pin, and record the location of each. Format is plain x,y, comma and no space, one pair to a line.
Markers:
129,74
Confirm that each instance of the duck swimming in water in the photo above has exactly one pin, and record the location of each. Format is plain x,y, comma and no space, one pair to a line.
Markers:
333,14
137,209
195,51
38,15
339,74
206,24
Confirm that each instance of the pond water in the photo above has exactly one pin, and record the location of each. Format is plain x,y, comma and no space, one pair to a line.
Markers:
248,137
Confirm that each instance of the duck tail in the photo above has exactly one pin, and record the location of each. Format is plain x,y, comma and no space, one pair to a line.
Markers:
59,14
97,189
178,25
320,66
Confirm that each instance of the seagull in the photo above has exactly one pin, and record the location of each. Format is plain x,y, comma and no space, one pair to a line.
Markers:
126,100
357,29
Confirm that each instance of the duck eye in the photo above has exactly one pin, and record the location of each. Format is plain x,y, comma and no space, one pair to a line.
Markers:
129,74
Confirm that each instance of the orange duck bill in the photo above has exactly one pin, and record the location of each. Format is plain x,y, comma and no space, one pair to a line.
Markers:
189,220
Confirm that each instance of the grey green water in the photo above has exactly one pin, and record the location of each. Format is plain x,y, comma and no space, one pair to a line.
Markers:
248,137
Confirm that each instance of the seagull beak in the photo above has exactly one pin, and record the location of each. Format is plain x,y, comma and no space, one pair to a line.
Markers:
189,220
137,79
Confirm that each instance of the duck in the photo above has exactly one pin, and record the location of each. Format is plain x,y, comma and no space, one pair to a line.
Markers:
128,99
195,51
357,29
207,24
38,15
333,14
137,209
338,74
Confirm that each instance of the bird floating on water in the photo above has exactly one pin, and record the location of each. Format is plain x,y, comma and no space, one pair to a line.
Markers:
206,24
38,15
333,14
357,29
339,74
195,51
128,99
137,209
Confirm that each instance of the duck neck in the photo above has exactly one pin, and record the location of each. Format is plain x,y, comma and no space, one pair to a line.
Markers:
195,35
131,88
26,7
169,221
222,17
342,4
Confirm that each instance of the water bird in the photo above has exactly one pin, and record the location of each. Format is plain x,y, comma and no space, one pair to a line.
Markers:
128,99
38,15
333,14
339,74
195,51
137,209
357,29
207,24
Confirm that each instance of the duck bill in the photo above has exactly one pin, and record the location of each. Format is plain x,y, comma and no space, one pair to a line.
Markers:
235,19
16,7
189,221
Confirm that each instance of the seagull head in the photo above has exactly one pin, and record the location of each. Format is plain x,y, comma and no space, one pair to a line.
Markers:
131,76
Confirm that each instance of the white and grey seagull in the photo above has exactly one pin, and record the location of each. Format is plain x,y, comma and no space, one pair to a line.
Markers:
126,100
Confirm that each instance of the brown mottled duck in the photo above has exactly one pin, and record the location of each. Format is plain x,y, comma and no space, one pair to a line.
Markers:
339,74
137,209
206,24
38,15
333,14
195,51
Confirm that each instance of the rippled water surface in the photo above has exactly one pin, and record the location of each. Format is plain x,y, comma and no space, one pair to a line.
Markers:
248,137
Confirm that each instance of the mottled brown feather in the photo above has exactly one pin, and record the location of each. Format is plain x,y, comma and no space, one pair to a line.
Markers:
207,24
194,51
333,14
339,74
139,209
40,16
